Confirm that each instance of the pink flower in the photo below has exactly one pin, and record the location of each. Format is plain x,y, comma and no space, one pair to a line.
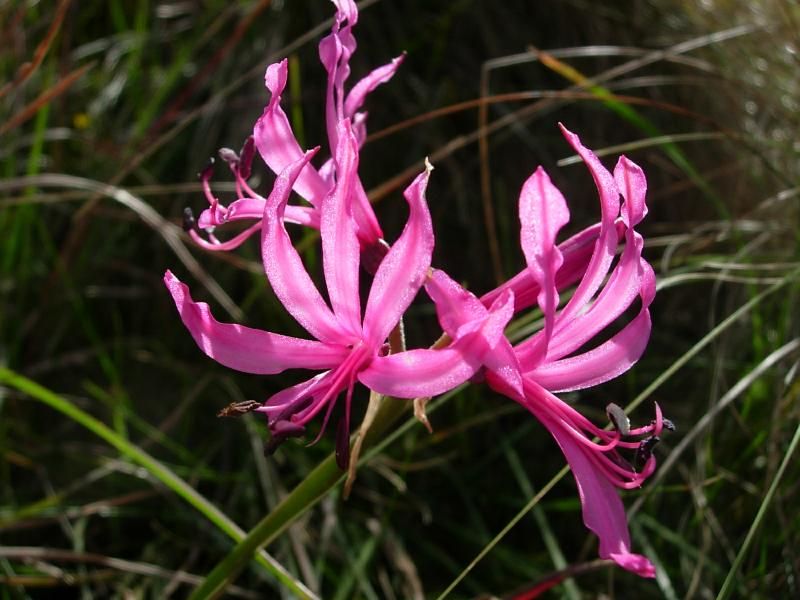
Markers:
349,346
554,359
276,143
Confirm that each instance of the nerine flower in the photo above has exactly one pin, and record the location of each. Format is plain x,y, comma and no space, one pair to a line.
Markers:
276,143
349,345
554,359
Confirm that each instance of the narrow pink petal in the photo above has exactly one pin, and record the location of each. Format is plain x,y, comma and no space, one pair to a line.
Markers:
404,268
496,352
330,54
454,305
369,231
633,185
542,212
276,142
346,10
606,245
287,275
603,512
253,208
340,250
576,252
231,244
607,361
358,93
360,127
623,287
603,363
316,386
335,51
245,349
417,373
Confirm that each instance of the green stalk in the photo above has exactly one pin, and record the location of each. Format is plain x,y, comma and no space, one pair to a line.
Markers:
307,493
158,470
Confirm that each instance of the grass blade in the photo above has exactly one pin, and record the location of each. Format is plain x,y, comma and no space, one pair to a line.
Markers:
154,467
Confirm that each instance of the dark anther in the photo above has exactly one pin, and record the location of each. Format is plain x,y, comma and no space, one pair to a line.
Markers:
229,156
372,256
668,424
207,171
189,222
342,445
246,157
294,408
237,409
645,451
618,419
281,431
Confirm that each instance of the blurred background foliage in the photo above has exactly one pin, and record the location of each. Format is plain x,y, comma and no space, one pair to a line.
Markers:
138,95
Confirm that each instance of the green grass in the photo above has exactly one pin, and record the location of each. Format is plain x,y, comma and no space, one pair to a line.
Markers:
118,480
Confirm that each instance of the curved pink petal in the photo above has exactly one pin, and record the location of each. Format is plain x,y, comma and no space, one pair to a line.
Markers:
542,212
606,245
330,53
340,249
359,92
404,268
316,386
276,142
607,361
455,306
575,251
603,512
417,373
623,287
287,275
335,51
458,311
346,10
253,208
245,349
369,231
633,185
218,246
360,127
499,357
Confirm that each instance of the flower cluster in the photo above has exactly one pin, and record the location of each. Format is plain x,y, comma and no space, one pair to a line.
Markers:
349,342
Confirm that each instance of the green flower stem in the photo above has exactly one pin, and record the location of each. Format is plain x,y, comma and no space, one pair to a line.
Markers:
158,470
307,493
